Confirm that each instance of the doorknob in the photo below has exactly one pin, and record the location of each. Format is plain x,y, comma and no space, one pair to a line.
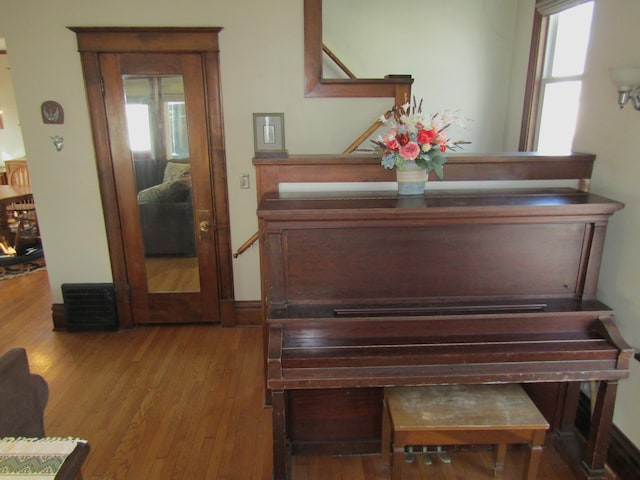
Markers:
203,217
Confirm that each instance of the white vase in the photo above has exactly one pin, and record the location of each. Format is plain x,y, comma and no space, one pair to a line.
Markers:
411,179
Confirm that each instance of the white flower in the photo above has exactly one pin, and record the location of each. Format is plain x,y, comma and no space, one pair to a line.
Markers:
426,147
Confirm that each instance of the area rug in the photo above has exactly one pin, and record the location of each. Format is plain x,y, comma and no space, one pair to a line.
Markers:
21,265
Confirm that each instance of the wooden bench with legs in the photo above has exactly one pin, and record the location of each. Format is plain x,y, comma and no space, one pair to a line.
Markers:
461,415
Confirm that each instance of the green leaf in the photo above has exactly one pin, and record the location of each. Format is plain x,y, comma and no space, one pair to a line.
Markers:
437,167
421,162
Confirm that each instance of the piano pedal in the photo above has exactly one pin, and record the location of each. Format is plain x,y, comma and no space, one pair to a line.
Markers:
425,455
408,454
443,456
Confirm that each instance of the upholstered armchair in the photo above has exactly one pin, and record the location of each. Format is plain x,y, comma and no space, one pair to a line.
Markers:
166,214
23,398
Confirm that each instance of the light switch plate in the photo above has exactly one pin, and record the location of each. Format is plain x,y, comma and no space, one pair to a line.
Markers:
244,181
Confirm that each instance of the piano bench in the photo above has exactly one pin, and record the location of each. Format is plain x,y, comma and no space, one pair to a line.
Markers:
461,415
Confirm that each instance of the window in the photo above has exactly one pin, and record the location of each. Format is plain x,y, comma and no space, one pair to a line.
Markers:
138,127
177,141
556,101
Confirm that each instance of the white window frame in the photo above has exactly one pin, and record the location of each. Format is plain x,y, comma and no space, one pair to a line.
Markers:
547,77
542,50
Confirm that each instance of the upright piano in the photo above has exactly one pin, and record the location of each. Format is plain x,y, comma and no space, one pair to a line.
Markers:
365,290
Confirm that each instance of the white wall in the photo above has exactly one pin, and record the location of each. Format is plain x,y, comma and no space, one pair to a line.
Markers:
614,136
460,54
11,145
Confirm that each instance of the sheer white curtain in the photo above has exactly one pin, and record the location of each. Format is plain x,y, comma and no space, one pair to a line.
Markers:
549,7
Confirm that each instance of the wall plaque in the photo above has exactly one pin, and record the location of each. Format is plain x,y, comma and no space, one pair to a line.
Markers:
52,112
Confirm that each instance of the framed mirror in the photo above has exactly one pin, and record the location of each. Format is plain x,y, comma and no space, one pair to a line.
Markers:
474,56
393,86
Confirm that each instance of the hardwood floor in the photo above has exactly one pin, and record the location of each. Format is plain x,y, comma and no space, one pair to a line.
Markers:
184,402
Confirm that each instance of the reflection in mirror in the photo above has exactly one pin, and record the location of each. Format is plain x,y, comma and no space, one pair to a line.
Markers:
432,36
462,54
156,121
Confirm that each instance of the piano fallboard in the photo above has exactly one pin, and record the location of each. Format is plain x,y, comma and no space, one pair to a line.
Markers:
553,341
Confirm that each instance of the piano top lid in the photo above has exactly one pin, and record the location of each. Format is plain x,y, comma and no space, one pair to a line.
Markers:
493,202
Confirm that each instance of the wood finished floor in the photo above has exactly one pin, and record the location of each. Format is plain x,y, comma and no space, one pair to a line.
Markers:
184,402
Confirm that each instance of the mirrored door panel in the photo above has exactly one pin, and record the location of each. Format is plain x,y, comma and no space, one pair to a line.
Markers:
156,117
156,113
158,138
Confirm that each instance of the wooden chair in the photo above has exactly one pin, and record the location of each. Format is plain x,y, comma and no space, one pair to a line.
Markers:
22,215
17,172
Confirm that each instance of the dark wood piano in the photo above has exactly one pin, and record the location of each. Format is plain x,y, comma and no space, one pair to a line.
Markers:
367,290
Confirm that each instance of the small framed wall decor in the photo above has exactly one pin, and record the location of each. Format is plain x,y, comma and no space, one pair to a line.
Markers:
52,112
268,134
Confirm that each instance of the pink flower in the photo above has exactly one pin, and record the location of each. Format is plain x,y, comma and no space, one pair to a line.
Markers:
391,142
410,151
426,136
441,139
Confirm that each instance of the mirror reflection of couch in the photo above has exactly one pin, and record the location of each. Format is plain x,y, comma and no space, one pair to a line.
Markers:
166,210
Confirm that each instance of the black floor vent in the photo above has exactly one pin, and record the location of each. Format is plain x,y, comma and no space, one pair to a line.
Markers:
90,306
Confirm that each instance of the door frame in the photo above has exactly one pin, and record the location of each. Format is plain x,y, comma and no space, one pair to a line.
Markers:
92,41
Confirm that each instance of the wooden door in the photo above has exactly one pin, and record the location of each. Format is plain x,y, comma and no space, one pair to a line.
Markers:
157,130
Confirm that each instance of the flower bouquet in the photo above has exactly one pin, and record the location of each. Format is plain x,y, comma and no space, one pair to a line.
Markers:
415,139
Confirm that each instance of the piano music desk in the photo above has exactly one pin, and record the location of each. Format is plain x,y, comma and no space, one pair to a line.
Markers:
461,415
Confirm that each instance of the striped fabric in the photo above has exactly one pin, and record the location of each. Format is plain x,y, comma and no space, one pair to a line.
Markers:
34,458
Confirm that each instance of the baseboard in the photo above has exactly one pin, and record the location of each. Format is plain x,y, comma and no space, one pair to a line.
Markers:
58,317
248,312
623,457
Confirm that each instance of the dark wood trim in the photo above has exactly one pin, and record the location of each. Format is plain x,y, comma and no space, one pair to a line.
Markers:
394,86
623,456
95,41
366,168
146,39
244,313
248,313
219,181
58,317
532,88
106,179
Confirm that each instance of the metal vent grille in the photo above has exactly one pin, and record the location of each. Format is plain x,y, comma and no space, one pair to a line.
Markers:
90,306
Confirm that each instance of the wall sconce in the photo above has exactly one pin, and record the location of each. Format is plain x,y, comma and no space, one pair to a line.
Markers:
627,80
1,121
